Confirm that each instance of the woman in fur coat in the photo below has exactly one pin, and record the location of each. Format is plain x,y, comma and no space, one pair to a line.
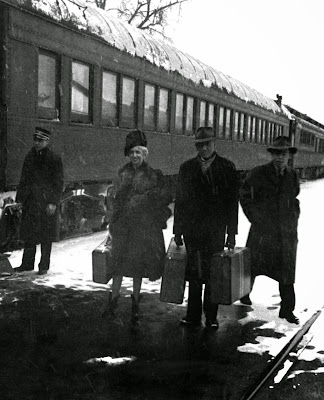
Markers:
140,212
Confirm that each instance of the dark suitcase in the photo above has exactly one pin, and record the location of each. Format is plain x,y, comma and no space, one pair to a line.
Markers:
230,275
173,279
5,266
102,263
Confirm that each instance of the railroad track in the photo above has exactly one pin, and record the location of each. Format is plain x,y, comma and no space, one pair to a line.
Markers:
282,358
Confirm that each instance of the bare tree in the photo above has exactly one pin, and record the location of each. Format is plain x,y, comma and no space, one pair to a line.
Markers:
149,15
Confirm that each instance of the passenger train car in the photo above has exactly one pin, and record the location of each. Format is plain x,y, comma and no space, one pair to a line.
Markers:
90,79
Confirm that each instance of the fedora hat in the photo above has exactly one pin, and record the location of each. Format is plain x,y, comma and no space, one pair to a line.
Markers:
282,143
204,134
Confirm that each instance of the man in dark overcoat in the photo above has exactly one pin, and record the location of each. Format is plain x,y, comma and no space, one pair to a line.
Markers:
268,199
206,209
39,192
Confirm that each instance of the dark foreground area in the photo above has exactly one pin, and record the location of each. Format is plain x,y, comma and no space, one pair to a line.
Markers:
55,344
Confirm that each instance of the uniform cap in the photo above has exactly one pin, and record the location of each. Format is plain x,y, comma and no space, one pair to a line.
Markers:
42,133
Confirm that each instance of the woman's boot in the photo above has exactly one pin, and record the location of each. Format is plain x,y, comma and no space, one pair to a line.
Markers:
110,311
135,310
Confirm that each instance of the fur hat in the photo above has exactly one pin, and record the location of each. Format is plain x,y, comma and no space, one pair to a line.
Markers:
204,134
282,143
133,139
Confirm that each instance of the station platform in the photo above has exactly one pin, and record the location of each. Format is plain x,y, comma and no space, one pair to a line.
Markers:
55,344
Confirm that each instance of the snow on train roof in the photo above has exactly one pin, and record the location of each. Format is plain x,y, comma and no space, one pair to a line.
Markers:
137,43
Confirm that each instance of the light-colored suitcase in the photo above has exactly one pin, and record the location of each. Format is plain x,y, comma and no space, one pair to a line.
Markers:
230,275
102,263
173,279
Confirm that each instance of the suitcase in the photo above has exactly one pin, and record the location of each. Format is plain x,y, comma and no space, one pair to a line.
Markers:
102,263
5,266
173,279
230,275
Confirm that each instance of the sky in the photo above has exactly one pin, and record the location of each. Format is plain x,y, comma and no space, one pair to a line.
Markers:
273,46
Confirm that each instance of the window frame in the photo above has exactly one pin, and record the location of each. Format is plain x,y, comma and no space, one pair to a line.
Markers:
76,117
158,127
105,121
44,112
211,106
204,112
150,126
123,123
186,131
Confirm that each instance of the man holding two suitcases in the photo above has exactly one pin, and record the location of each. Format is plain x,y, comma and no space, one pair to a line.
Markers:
206,209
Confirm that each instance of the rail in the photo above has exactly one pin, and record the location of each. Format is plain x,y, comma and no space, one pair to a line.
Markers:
275,364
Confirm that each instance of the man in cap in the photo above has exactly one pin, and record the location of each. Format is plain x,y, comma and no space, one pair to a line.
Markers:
268,199
206,209
39,192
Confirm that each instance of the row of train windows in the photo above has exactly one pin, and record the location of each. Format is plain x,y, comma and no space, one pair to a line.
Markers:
119,99
307,138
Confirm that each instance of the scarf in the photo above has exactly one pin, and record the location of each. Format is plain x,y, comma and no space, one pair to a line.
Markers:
205,164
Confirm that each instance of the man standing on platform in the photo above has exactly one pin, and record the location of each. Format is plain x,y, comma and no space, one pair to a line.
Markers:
268,199
39,192
206,209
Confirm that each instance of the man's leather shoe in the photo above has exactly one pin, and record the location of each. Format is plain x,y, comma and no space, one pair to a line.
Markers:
246,300
23,269
187,322
290,317
42,272
212,324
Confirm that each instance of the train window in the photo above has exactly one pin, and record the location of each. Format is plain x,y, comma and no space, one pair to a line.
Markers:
241,127
202,114
48,92
321,146
253,125
128,105
307,138
248,128
179,113
221,125
272,132
164,111
236,125
109,99
259,131
267,133
80,96
211,115
228,124
149,107
189,115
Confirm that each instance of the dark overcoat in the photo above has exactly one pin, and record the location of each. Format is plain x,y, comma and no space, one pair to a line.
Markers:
270,204
206,208
41,183
140,212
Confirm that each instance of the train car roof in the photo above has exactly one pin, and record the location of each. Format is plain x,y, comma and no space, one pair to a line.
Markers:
304,117
136,42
